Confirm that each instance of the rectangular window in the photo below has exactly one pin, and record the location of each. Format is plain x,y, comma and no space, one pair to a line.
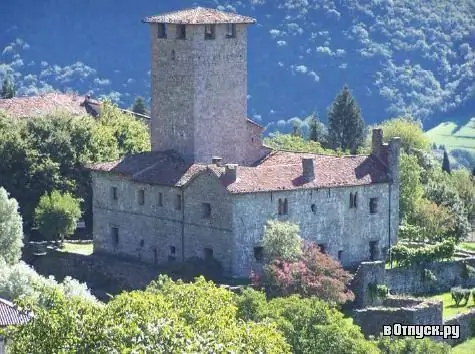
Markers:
160,199
208,253
114,193
231,30
172,254
178,202
210,31
373,205
373,250
115,235
259,254
141,197
162,30
283,207
322,247
353,200
206,210
180,32
340,255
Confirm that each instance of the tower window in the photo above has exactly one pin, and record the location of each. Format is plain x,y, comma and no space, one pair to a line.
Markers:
180,32
231,30
210,31
141,197
206,210
114,193
373,205
162,30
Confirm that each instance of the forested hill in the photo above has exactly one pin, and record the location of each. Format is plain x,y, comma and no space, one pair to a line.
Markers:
398,56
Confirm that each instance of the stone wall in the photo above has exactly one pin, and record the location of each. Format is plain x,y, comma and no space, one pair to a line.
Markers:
324,216
466,321
410,280
367,273
407,312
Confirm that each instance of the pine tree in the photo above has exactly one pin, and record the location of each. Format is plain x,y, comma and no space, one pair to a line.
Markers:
8,89
446,162
139,106
345,124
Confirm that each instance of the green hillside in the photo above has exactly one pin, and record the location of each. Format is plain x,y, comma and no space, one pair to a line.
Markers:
459,140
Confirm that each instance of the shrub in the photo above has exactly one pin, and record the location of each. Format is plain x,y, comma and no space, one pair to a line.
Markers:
406,256
428,275
412,345
377,291
459,294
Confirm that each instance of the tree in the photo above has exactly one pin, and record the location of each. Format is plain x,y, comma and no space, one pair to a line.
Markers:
316,129
280,141
11,229
168,317
8,89
314,274
139,106
410,131
310,325
297,130
282,240
411,189
57,214
446,162
345,124
390,345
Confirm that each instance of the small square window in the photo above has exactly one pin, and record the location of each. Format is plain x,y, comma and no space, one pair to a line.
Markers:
178,202
180,32
208,253
259,254
373,205
206,210
210,31
160,199
162,30
230,30
114,193
141,197
115,235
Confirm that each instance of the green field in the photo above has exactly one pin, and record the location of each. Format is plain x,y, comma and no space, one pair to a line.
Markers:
449,308
467,347
81,248
453,136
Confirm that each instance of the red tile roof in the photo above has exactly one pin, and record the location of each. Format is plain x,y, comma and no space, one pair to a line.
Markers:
10,315
35,106
280,170
197,16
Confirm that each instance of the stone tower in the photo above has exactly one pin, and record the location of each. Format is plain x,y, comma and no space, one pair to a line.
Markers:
199,84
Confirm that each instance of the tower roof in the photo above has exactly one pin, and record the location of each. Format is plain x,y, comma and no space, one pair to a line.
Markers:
199,16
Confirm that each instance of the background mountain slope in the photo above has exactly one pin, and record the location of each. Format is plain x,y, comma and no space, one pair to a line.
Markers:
398,56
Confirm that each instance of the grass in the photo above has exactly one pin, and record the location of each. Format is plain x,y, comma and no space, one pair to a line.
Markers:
454,136
467,347
449,308
469,246
81,248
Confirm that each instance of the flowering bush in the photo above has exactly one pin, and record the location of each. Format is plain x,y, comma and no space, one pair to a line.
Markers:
313,274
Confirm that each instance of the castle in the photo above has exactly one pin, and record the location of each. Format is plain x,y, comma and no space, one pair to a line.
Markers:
209,184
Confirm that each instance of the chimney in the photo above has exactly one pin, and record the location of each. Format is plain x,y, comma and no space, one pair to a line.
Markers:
216,160
307,168
230,172
377,142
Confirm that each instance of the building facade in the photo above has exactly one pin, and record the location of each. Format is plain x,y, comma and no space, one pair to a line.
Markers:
209,185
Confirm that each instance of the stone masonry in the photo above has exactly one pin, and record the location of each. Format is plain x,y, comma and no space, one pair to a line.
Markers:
209,185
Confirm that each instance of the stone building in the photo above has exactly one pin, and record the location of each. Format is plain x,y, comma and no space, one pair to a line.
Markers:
209,184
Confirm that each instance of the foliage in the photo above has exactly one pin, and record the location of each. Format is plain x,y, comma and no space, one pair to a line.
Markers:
446,162
166,318
310,325
411,189
409,130
465,186
46,153
345,124
390,345
280,141
11,231
20,280
281,240
314,274
459,294
467,271
406,256
316,130
139,106
428,275
377,291
57,215
8,89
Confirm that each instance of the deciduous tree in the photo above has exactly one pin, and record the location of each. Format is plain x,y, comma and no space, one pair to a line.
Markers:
11,229
8,89
281,240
